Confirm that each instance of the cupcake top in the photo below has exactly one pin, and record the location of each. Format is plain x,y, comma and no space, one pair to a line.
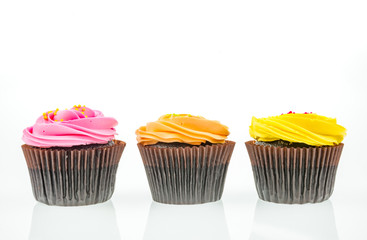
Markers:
307,128
182,128
79,125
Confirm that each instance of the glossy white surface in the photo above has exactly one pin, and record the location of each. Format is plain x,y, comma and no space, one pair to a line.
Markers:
224,60
137,217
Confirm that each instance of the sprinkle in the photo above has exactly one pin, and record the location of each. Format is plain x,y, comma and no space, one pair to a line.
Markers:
57,109
61,119
75,106
44,114
83,109
49,111
55,120
82,112
76,109
86,116
79,106
83,105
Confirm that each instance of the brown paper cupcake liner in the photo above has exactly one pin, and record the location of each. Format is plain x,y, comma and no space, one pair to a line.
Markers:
294,175
187,175
73,177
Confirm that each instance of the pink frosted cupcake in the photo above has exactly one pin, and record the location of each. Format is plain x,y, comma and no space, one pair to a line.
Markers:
72,156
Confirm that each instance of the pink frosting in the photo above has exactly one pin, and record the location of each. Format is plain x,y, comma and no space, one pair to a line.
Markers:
71,127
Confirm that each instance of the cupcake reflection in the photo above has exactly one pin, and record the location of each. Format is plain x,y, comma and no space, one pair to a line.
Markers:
205,221
59,223
278,221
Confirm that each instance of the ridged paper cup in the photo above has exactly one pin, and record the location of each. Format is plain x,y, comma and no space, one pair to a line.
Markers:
73,177
187,175
294,175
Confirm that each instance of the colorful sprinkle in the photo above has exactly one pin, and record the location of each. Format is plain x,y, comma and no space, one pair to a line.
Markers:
291,112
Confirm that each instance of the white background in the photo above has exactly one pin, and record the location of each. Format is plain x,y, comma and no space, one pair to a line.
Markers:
225,60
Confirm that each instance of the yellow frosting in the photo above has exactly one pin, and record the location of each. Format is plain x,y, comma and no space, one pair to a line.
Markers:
311,129
182,128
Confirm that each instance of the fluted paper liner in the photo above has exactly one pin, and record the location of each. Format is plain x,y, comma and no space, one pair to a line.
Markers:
73,177
294,175
187,175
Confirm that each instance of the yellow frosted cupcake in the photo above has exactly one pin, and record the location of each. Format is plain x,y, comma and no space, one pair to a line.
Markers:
185,157
295,157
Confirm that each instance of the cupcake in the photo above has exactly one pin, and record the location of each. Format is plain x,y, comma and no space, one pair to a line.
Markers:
72,156
295,157
185,157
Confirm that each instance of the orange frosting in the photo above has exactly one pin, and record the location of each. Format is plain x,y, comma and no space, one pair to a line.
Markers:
182,128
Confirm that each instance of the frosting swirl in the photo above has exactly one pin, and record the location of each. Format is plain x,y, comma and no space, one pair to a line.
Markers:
182,128
70,127
311,129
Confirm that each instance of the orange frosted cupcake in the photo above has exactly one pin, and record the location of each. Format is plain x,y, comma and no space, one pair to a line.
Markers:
185,157
295,157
